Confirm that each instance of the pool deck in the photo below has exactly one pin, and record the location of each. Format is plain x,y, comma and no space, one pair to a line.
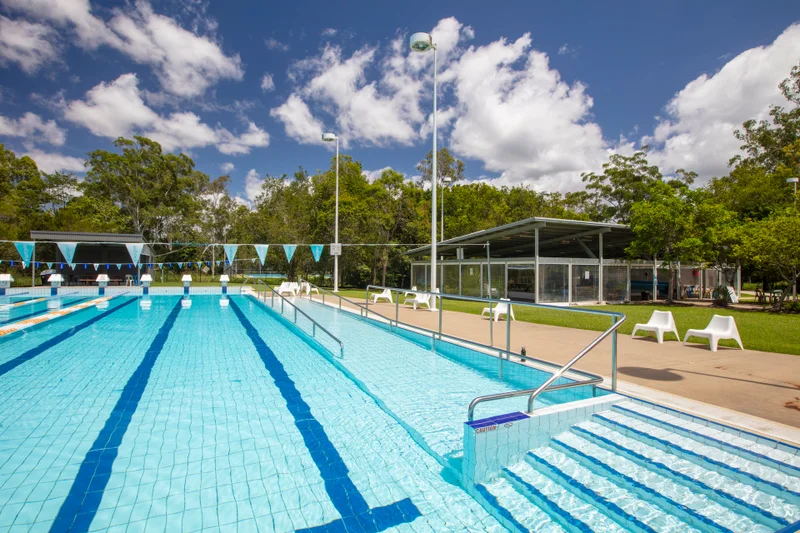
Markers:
761,384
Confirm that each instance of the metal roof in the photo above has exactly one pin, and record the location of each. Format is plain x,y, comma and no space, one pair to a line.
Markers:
83,236
557,238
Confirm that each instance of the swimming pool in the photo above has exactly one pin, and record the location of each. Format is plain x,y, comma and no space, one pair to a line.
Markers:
20,308
209,417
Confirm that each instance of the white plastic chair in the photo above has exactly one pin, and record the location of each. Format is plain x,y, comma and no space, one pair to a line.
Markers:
720,327
286,288
308,289
732,295
412,292
500,309
385,295
418,299
660,322
128,280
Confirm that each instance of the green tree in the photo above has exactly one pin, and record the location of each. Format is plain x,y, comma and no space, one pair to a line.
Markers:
447,165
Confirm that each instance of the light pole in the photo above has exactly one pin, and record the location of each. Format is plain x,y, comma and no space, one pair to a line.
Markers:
793,180
422,42
445,183
330,137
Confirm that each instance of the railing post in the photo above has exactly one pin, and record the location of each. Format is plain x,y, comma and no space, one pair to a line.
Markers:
295,315
491,326
500,372
314,329
614,356
441,305
508,330
397,307
281,305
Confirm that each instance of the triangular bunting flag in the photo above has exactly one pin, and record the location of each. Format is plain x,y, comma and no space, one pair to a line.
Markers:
96,265
119,266
316,250
67,250
72,266
25,249
108,267
180,265
208,263
49,265
12,263
253,260
230,250
289,249
218,262
261,250
135,251
36,264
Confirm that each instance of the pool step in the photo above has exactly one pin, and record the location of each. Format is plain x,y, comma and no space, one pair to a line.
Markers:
765,478
618,502
765,452
570,512
696,509
744,498
515,510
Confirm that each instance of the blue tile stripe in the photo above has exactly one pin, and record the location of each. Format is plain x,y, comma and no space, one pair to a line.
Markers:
572,483
499,419
345,497
491,499
560,515
647,462
8,366
794,528
668,504
775,488
754,456
80,506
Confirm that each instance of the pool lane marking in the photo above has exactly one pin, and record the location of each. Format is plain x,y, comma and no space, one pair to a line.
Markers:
23,302
28,322
82,502
344,495
58,339
37,313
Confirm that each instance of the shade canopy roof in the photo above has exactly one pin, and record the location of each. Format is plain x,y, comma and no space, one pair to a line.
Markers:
83,236
557,238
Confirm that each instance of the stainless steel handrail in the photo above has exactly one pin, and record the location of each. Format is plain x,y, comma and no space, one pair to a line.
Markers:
617,320
315,325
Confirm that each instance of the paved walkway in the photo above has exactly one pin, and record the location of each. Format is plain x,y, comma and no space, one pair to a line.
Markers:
761,384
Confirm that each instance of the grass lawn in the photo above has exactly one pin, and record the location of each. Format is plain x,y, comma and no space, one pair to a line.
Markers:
759,330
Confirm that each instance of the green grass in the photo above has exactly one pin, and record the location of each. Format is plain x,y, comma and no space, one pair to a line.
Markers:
759,330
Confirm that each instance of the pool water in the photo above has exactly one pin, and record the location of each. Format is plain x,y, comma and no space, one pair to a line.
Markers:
16,309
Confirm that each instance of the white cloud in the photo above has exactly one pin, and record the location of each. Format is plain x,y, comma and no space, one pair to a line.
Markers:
517,116
116,109
185,63
267,84
329,32
373,175
227,168
29,44
697,133
298,121
51,162
231,144
275,44
252,185
32,129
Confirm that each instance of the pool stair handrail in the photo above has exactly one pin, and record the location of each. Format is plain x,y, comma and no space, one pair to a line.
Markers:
264,288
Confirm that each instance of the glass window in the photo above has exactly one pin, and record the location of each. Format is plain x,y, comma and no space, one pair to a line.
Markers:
419,276
553,283
615,283
498,281
521,282
450,281
471,280
585,283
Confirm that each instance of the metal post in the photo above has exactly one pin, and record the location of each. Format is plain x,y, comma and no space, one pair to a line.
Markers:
295,315
491,327
336,231
397,307
281,306
601,277
441,306
500,365
488,271
614,356
536,280
434,184
655,279
508,330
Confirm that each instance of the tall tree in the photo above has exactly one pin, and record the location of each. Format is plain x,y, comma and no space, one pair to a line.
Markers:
447,165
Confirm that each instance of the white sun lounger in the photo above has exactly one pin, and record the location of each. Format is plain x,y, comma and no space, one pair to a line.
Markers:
419,300
500,309
660,322
720,327
385,295
287,288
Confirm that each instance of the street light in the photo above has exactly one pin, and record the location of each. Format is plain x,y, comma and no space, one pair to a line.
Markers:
330,137
445,183
793,180
422,42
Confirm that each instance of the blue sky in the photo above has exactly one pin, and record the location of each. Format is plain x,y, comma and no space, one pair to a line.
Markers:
530,92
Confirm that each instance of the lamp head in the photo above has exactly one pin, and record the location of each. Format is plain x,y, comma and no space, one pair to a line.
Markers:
328,137
447,180
421,42
792,180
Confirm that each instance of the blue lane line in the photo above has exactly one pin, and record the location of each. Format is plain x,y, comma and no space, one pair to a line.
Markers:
53,341
80,506
345,497
40,312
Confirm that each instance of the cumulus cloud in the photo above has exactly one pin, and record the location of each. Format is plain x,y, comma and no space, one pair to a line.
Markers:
117,109
185,63
267,84
52,162
329,32
227,168
32,129
373,175
28,44
298,121
697,132
252,185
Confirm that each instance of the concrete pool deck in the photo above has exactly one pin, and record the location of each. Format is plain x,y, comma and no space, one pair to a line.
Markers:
761,384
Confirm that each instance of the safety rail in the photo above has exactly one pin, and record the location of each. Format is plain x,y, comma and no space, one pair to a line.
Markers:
616,320
314,324
592,379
